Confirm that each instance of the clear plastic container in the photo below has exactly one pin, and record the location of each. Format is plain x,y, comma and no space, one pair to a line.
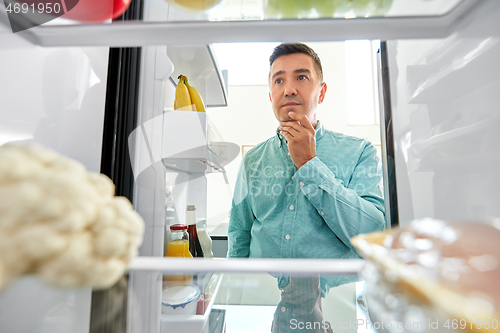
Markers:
205,240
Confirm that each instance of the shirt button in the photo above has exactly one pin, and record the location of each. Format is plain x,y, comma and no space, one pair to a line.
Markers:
283,309
291,207
287,237
301,183
322,213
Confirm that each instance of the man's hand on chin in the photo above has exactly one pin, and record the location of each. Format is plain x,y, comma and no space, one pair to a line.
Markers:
301,138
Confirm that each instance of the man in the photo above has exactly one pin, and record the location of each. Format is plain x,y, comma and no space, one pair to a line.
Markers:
306,191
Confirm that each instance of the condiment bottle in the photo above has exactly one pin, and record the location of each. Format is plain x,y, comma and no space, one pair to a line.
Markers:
178,246
169,216
205,240
194,242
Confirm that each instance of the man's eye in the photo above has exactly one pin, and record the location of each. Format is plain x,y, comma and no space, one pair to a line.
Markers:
278,81
302,77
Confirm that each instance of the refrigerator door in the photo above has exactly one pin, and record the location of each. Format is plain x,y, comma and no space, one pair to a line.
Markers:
446,120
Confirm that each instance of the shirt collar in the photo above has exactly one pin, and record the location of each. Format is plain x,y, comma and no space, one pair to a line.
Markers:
280,139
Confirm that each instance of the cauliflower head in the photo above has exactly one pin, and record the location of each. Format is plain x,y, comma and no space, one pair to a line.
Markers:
61,222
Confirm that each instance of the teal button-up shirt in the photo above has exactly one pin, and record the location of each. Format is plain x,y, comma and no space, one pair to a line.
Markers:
279,211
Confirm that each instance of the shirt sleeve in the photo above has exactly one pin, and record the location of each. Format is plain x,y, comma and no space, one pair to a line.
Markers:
351,209
241,218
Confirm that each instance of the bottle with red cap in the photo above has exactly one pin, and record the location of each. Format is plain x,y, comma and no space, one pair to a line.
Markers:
178,246
194,242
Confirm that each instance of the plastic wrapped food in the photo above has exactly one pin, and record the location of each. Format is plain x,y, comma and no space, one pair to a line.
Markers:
452,267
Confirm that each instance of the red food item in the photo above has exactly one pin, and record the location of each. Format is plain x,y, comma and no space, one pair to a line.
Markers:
95,10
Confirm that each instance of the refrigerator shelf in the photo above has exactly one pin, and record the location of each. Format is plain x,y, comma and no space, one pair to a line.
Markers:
193,323
204,30
467,138
208,164
191,152
486,161
178,140
451,70
298,267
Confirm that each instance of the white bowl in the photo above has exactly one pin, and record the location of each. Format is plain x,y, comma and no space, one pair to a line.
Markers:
180,299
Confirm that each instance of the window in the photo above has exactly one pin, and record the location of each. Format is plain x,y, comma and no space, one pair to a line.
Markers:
361,81
247,63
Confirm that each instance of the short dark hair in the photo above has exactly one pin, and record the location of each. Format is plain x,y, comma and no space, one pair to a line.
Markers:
293,48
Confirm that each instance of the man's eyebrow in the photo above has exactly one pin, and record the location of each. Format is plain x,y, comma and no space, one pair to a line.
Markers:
302,70
277,73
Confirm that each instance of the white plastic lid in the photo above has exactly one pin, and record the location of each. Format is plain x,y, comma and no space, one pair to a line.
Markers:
181,294
191,214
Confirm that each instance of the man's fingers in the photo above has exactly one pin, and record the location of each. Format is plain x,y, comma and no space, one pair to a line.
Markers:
291,127
288,130
302,118
287,135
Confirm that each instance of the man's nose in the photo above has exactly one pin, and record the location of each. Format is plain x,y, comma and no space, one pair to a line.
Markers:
290,90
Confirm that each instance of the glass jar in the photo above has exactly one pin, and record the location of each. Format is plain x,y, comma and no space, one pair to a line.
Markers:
178,246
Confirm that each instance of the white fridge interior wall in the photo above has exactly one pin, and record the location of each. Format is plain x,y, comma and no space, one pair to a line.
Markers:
54,97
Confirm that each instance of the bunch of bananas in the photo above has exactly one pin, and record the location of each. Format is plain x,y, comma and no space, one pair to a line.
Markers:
187,98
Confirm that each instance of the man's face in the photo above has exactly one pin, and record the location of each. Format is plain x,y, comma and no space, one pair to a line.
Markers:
294,86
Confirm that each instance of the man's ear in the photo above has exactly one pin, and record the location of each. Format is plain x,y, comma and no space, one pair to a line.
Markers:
270,99
322,93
